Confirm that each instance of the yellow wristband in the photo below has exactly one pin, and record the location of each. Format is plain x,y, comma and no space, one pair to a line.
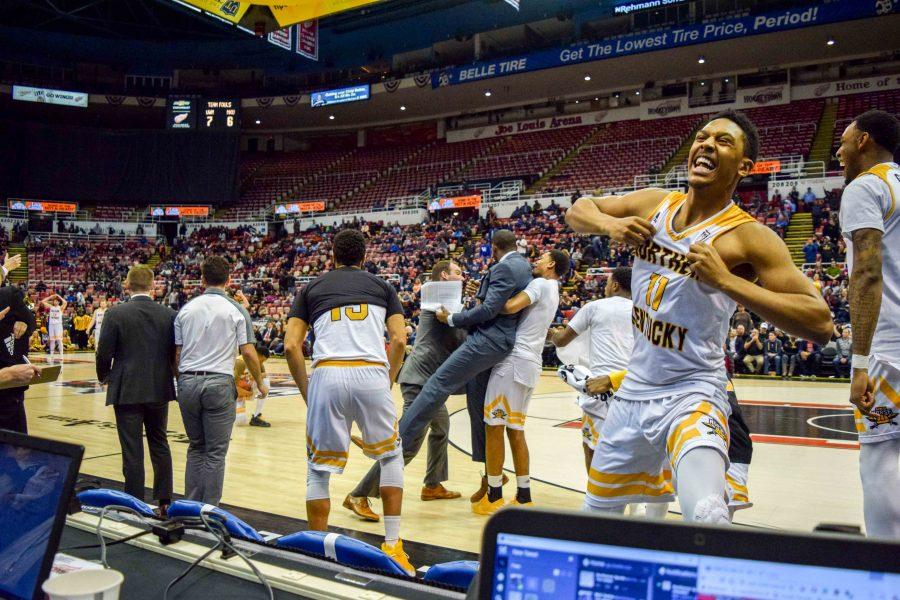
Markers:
616,378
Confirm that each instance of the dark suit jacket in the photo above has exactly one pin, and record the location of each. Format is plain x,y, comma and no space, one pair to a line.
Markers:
504,279
11,349
136,352
435,341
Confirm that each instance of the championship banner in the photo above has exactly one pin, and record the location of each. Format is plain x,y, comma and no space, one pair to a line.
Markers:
702,33
48,96
768,95
230,10
308,9
282,38
308,39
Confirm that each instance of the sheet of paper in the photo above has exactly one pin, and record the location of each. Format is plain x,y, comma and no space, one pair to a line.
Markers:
438,293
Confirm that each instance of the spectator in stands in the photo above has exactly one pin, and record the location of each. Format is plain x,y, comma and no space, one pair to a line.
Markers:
753,352
742,318
772,351
807,358
809,197
844,350
810,250
790,349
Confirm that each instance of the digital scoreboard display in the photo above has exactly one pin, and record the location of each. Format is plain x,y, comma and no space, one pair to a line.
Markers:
182,112
339,96
220,114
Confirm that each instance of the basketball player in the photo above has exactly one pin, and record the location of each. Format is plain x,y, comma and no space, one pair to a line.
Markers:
97,322
56,306
696,256
514,378
348,309
247,388
870,223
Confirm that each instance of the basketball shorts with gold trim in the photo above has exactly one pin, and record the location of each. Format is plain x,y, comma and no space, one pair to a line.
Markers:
640,439
340,396
508,392
736,479
883,421
591,424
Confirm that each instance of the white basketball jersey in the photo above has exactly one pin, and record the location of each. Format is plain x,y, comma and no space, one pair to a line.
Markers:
870,202
679,323
56,315
350,333
98,317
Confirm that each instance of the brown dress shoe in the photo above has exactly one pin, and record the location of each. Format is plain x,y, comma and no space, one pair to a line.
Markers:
438,492
360,507
483,490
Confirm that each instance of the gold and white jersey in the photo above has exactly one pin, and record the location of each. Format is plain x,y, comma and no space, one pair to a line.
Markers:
870,202
680,324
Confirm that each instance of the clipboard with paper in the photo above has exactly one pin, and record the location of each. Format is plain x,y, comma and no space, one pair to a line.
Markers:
47,375
442,293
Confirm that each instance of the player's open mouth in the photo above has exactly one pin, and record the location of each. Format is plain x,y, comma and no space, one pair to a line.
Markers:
704,165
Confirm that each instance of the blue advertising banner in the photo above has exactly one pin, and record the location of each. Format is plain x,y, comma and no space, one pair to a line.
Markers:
339,96
820,14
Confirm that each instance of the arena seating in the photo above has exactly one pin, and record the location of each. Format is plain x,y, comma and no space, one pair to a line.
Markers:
622,150
787,129
856,104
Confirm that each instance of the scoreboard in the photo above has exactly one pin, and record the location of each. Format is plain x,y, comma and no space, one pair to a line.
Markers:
220,114
192,112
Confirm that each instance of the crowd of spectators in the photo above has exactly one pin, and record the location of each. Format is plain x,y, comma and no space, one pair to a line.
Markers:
269,267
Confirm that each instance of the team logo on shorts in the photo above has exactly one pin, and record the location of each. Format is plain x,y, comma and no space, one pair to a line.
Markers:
882,415
498,413
716,429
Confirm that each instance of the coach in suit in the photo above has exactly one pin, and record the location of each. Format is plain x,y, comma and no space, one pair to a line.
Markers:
16,325
136,357
491,337
435,341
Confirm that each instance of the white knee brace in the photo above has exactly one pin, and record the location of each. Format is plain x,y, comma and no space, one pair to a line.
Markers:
317,484
392,471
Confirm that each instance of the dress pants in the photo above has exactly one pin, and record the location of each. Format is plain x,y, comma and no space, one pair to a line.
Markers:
12,413
132,420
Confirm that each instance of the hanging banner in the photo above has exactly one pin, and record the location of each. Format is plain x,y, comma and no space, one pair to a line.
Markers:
847,86
768,95
308,39
230,10
310,9
48,96
282,38
545,124
701,33
665,108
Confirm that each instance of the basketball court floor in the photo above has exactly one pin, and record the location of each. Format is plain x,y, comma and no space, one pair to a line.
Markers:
804,468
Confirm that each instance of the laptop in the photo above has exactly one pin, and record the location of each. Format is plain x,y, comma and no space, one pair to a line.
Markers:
37,479
543,555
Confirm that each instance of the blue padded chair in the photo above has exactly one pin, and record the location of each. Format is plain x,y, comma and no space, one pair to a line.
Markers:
235,526
102,497
345,550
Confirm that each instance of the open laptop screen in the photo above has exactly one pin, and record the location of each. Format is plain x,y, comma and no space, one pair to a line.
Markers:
36,481
534,568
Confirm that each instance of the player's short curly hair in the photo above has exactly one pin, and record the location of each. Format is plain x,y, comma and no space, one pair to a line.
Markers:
561,262
751,134
622,276
349,247
882,127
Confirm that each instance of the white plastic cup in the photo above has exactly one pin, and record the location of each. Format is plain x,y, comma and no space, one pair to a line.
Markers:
88,584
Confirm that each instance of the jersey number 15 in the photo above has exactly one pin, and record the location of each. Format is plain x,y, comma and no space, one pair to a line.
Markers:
354,313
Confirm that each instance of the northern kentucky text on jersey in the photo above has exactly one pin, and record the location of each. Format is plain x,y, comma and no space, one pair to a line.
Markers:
670,259
659,333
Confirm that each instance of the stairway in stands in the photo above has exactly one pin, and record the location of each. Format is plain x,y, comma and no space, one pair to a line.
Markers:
799,230
680,157
19,276
153,261
540,183
821,146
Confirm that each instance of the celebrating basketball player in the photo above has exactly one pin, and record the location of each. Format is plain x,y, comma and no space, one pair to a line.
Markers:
56,306
348,309
514,378
871,225
696,255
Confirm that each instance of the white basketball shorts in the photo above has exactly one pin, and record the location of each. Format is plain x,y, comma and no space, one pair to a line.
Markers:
508,392
883,421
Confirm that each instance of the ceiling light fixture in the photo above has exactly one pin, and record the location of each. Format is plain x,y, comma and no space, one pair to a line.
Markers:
830,42
701,60
402,107
258,121
331,117
587,77
487,93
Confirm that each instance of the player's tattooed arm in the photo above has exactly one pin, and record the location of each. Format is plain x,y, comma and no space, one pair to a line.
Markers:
865,288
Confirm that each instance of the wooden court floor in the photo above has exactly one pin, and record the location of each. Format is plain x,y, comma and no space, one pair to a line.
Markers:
804,468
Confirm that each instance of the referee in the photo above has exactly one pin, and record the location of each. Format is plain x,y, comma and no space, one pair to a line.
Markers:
208,331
